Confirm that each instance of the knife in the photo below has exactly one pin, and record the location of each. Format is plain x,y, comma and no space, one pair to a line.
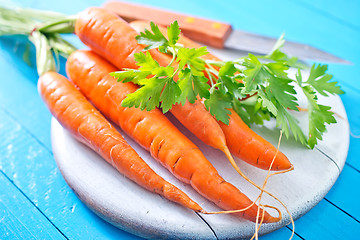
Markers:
218,34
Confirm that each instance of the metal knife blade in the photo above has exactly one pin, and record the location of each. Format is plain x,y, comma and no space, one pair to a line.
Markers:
217,34
259,44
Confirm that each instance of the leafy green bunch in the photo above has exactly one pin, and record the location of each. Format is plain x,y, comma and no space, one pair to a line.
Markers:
256,87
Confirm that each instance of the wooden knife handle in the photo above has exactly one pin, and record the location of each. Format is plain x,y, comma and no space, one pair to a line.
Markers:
211,33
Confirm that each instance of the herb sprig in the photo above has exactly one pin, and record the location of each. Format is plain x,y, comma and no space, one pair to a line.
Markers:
256,87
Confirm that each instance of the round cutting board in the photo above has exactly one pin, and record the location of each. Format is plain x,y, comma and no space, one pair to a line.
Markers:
134,209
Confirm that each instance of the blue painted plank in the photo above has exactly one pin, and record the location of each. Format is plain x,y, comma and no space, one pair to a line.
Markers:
344,186
351,100
33,170
17,216
353,155
346,12
18,92
283,233
326,221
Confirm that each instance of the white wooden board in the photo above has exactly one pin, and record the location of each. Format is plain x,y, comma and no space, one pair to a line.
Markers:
129,207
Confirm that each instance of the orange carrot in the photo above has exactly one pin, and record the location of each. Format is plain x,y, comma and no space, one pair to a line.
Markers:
111,37
78,116
153,131
240,139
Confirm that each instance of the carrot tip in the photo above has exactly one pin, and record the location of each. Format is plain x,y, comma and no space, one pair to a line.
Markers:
291,167
273,219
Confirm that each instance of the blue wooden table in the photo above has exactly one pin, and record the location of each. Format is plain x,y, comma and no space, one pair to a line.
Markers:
35,201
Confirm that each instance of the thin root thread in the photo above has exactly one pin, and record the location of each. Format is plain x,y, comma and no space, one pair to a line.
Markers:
262,189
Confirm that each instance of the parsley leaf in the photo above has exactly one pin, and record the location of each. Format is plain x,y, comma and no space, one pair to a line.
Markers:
228,69
130,75
288,123
317,119
146,97
251,113
320,80
319,115
267,103
280,90
218,105
145,61
152,39
173,33
255,74
169,95
191,56
278,56
191,86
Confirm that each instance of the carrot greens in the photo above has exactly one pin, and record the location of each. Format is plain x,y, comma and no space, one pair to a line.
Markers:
256,87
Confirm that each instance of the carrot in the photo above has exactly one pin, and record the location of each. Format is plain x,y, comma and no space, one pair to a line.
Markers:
153,131
240,139
111,37
77,115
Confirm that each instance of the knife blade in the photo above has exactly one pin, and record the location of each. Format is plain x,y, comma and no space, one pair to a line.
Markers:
218,34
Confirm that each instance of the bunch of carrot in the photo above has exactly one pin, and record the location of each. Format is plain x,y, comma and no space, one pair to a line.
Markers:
251,148
112,41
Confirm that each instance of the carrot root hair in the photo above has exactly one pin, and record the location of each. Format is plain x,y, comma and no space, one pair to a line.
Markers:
261,207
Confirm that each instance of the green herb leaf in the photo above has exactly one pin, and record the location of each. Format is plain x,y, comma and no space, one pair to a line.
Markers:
152,39
320,80
255,74
267,103
288,123
317,119
232,86
228,69
192,86
173,33
319,115
280,90
278,56
130,75
169,95
218,105
148,96
145,61
191,56
251,113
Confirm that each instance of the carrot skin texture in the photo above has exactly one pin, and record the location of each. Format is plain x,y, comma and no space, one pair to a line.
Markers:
77,115
153,131
197,119
239,137
119,45
111,37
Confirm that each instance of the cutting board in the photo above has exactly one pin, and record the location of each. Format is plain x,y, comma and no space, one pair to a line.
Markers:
126,205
